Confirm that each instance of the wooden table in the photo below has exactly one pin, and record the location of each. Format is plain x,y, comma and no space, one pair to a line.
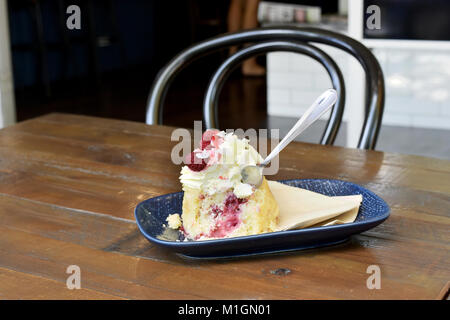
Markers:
69,185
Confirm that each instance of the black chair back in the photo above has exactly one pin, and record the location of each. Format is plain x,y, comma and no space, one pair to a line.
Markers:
296,40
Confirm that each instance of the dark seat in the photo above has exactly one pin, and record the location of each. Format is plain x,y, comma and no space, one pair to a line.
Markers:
296,40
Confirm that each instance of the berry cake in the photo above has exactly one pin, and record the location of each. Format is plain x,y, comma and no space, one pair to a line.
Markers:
216,203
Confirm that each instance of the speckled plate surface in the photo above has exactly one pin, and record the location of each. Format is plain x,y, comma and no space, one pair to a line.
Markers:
151,217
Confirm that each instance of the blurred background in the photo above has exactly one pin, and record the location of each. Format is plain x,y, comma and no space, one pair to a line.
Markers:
106,68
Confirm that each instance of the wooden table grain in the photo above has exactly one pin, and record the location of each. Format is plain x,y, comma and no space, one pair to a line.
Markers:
69,185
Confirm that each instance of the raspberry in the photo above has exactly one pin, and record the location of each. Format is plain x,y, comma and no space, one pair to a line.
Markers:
205,144
216,141
194,163
207,137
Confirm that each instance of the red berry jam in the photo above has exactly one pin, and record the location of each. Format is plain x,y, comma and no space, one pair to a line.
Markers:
215,211
228,218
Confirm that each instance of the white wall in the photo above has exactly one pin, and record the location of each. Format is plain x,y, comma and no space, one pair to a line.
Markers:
7,104
417,85
417,79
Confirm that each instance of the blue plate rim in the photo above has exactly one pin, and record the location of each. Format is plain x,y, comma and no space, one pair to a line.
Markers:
187,244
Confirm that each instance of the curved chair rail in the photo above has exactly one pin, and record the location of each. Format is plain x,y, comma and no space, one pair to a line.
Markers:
374,75
210,106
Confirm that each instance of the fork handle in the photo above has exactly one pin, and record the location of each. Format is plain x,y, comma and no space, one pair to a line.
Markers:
322,104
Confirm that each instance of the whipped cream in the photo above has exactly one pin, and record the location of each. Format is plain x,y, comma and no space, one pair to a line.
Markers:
225,158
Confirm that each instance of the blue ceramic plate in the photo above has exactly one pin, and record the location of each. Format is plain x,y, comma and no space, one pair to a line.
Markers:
151,217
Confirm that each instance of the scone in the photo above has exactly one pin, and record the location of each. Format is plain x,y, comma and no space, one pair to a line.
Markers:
216,203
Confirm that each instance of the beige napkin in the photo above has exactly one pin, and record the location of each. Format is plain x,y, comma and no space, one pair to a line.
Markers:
300,208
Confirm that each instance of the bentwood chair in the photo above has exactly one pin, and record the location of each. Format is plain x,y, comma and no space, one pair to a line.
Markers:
265,40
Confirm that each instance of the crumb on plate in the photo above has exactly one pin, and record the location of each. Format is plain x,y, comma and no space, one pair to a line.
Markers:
174,221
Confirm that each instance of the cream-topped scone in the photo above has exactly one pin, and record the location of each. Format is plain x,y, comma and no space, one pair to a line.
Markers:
216,203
